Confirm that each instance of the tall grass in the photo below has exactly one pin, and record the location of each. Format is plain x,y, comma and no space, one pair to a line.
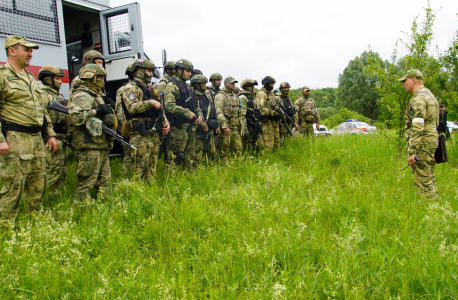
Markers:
334,219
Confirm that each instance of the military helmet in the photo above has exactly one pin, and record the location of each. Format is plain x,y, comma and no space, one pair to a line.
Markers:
248,82
129,72
196,72
142,64
91,55
183,64
216,76
50,70
284,85
268,79
170,65
199,79
91,70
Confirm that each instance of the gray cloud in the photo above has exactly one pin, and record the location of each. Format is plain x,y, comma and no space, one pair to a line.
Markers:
302,42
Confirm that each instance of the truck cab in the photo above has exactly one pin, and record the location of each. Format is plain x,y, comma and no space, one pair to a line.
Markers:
66,29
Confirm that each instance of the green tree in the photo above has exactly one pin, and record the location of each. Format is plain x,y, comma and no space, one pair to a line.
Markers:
357,90
326,112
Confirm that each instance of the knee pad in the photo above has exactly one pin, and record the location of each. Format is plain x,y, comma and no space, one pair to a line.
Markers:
179,156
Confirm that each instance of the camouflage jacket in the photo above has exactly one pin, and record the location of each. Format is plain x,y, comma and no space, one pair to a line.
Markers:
244,106
163,83
266,100
213,92
306,107
132,96
20,102
228,108
82,101
58,119
422,118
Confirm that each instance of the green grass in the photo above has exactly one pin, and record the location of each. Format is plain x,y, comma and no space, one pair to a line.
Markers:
336,219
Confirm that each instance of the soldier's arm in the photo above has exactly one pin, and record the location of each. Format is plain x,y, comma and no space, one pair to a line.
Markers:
261,102
417,115
219,104
2,84
46,101
318,118
80,110
172,93
132,97
297,106
243,110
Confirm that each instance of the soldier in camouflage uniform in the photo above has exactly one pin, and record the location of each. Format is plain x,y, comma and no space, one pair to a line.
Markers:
228,110
268,102
213,89
307,113
56,164
90,57
22,151
204,140
288,105
143,115
186,114
87,114
169,71
252,122
422,118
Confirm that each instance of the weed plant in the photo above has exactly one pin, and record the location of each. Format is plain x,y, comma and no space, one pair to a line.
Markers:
333,219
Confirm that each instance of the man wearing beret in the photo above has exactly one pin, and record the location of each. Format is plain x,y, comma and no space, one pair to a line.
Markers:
22,115
422,119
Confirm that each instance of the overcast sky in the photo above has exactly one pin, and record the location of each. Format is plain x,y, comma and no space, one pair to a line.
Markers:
301,42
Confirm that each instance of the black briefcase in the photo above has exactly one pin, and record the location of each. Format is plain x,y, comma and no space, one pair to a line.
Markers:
441,151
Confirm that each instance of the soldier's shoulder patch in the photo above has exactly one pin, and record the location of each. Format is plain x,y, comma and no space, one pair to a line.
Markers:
131,96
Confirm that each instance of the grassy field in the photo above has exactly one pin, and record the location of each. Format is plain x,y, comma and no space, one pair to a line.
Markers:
336,219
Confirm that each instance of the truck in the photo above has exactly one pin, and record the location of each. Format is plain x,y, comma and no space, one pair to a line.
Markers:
66,29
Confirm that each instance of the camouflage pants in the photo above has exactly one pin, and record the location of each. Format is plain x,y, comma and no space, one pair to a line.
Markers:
284,134
168,146
423,174
126,161
199,147
56,167
144,160
230,143
92,170
248,146
306,128
271,134
183,144
23,173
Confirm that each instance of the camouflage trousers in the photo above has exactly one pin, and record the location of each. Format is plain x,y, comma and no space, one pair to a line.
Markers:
271,134
126,161
199,147
183,145
23,173
168,146
144,160
92,170
229,144
306,129
284,134
423,174
56,167
247,142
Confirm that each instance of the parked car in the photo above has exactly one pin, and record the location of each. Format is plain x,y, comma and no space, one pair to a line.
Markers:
322,131
353,126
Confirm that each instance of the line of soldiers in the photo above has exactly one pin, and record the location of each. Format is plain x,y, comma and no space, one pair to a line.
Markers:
187,123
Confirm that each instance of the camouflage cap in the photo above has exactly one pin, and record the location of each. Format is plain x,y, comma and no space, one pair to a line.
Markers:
94,126
184,64
91,70
305,89
199,79
50,70
230,79
90,56
412,74
17,39
248,82
216,76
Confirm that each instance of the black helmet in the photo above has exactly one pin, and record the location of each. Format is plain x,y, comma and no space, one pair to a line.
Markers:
196,72
268,79
50,70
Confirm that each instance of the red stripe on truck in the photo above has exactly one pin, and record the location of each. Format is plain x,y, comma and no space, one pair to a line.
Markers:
35,69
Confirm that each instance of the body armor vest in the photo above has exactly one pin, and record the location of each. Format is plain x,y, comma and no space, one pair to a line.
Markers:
204,104
147,95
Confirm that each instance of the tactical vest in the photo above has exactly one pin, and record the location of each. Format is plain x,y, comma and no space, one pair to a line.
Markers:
204,104
55,115
232,105
213,93
250,110
288,105
150,113
73,128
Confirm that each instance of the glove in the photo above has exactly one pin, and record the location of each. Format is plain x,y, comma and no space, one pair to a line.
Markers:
103,109
110,102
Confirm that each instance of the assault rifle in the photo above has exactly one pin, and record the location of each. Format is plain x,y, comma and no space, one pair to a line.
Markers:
60,108
291,120
284,116
155,128
257,130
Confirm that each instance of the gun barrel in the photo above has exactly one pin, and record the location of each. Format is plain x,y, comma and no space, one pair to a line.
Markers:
116,136
58,107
